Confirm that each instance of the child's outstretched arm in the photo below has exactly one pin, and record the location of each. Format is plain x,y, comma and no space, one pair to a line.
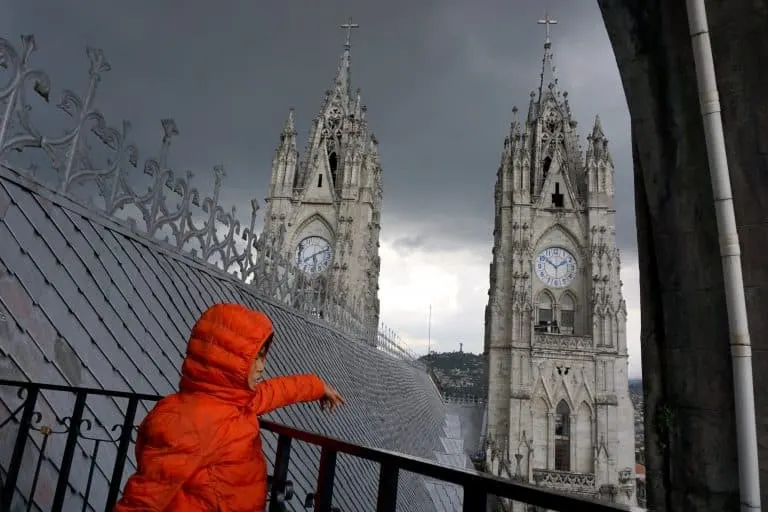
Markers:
168,451
278,392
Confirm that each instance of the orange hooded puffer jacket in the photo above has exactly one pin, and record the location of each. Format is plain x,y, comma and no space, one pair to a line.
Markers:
200,449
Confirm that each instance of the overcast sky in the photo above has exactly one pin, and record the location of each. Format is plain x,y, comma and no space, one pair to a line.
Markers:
439,77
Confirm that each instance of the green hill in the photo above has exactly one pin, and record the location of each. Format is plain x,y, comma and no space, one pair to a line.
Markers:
457,373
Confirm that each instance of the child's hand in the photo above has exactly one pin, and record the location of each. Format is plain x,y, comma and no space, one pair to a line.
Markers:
331,399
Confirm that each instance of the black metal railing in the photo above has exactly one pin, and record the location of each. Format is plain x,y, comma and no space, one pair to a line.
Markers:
110,453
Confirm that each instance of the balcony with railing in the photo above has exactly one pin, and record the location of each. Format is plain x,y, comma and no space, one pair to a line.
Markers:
581,483
558,341
78,462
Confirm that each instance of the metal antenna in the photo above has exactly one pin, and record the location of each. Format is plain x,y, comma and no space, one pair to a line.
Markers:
429,331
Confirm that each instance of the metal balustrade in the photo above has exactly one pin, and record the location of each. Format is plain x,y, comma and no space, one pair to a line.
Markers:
75,429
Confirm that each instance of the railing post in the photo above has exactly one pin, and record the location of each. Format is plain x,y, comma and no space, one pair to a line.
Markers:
69,451
475,499
477,487
386,500
40,456
325,477
18,449
122,452
280,474
96,445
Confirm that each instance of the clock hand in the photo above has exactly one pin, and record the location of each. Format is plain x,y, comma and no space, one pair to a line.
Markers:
314,255
311,256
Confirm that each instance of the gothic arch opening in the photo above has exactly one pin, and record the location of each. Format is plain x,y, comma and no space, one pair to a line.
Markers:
545,165
584,445
545,314
316,225
554,232
562,437
567,314
333,164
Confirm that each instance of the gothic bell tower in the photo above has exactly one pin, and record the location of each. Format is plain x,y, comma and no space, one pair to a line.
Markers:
559,413
323,209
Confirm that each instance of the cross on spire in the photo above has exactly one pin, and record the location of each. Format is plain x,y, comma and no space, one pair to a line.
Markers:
548,72
547,21
349,26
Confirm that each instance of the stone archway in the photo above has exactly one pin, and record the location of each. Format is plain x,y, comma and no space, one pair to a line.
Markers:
690,448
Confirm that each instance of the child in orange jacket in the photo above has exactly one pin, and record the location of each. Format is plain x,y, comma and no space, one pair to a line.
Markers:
200,449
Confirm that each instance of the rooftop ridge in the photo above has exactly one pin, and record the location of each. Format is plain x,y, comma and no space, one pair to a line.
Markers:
172,214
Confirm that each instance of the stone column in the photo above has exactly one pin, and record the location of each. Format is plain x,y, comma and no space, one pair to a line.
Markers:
687,376
550,440
574,440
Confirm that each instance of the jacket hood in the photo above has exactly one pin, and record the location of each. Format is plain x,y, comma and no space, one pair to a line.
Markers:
224,342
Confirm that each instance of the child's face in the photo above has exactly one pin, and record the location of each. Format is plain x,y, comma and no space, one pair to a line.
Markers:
257,367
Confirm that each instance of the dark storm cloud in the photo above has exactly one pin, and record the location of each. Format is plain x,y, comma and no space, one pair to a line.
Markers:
439,77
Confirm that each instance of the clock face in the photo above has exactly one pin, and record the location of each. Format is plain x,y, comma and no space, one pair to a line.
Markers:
313,255
556,267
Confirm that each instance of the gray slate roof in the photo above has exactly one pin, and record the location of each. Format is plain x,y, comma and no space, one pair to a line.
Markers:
470,417
83,301
459,440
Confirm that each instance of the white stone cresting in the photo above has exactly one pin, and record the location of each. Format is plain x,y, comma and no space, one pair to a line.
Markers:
559,412
96,165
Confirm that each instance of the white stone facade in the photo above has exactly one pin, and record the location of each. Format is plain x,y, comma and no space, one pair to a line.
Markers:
332,196
559,412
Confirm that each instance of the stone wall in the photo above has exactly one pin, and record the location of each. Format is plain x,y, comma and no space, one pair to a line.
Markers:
687,376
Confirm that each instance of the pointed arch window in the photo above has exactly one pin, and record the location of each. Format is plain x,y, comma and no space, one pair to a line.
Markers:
333,163
545,312
546,164
562,437
567,314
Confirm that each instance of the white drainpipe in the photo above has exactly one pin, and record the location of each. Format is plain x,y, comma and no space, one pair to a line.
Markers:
730,253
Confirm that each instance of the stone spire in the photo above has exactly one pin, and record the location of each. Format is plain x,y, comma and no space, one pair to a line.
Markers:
549,92
548,76
285,160
328,126
288,136
341,86
597,144
359,109
599,168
